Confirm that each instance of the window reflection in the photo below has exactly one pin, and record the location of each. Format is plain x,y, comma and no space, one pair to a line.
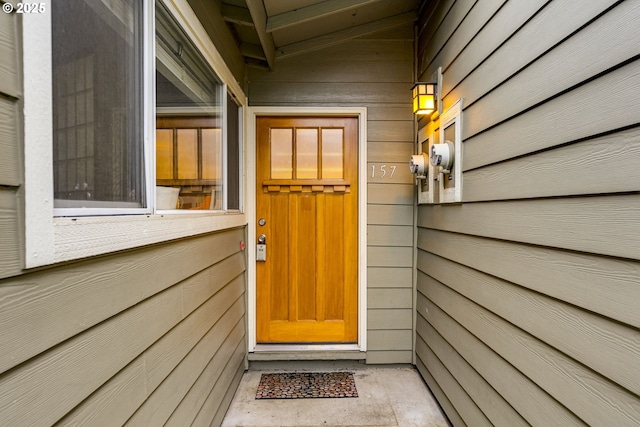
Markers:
189,106
281,153
332,143
307,153
98,156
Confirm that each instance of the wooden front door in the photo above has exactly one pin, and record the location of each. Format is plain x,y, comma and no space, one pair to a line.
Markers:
307,210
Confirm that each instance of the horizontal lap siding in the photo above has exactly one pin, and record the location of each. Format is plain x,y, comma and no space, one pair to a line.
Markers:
11,189
117,339
10,236
528,295
9,66
373,72
10,170
125,338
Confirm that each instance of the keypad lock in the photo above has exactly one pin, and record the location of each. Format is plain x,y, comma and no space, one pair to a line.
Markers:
261,248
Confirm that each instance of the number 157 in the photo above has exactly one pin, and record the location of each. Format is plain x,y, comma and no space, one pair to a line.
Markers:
382,171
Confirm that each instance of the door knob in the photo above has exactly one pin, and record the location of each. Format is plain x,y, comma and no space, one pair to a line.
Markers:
262,239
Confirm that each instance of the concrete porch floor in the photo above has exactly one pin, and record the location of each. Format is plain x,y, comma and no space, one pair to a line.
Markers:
388,396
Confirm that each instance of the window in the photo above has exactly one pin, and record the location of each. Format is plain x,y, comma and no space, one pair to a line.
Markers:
234,154
190,125
101,142
99,163
98,158
307,153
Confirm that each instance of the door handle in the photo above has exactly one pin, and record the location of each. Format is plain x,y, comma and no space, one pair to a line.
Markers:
262,239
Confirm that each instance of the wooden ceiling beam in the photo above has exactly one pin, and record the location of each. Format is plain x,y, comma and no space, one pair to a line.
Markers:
251,50
344,35
210,16
259,18
237,15
309,13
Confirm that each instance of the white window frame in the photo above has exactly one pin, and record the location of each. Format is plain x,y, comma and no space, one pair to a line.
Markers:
50,239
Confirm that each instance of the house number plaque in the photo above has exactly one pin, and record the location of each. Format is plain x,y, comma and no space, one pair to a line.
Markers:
382,171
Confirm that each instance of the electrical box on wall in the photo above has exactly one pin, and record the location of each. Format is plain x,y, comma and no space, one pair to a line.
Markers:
420,165
442,155
447,157
438,166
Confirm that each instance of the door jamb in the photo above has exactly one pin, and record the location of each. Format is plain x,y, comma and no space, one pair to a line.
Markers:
251,115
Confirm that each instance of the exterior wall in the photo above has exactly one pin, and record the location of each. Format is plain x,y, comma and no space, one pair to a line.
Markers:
374,72
147,337
528,291
144,337
11,176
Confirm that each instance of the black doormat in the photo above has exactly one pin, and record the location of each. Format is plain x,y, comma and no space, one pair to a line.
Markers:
302,385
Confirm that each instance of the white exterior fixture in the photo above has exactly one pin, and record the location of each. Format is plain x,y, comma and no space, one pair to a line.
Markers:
450,168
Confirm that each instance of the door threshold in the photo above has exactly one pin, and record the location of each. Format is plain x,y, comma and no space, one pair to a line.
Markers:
307,352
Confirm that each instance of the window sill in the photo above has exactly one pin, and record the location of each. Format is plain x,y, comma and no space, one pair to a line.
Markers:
76,238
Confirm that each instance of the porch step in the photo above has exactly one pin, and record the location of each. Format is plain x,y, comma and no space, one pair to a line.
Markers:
305,365
266,355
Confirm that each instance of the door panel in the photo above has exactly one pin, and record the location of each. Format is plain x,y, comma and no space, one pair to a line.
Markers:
307,191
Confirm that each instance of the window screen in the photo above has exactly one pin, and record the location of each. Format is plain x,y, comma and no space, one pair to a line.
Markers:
97,104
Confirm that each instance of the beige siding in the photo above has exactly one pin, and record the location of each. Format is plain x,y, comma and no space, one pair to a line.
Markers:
10,170
65,306
142,337
528,296
125,338
373,72
9,65
381,151
10,160
10,259
554,176
394,277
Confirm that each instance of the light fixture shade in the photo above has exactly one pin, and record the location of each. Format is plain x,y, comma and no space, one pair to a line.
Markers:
424,98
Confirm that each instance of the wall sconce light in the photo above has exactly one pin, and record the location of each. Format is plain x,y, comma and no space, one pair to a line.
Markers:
424,98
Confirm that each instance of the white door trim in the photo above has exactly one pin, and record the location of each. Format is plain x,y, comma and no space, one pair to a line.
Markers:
252,114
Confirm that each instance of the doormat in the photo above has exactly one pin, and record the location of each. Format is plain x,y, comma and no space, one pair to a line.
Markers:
304,385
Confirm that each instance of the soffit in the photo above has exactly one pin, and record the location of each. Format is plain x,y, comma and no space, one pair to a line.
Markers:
267,30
